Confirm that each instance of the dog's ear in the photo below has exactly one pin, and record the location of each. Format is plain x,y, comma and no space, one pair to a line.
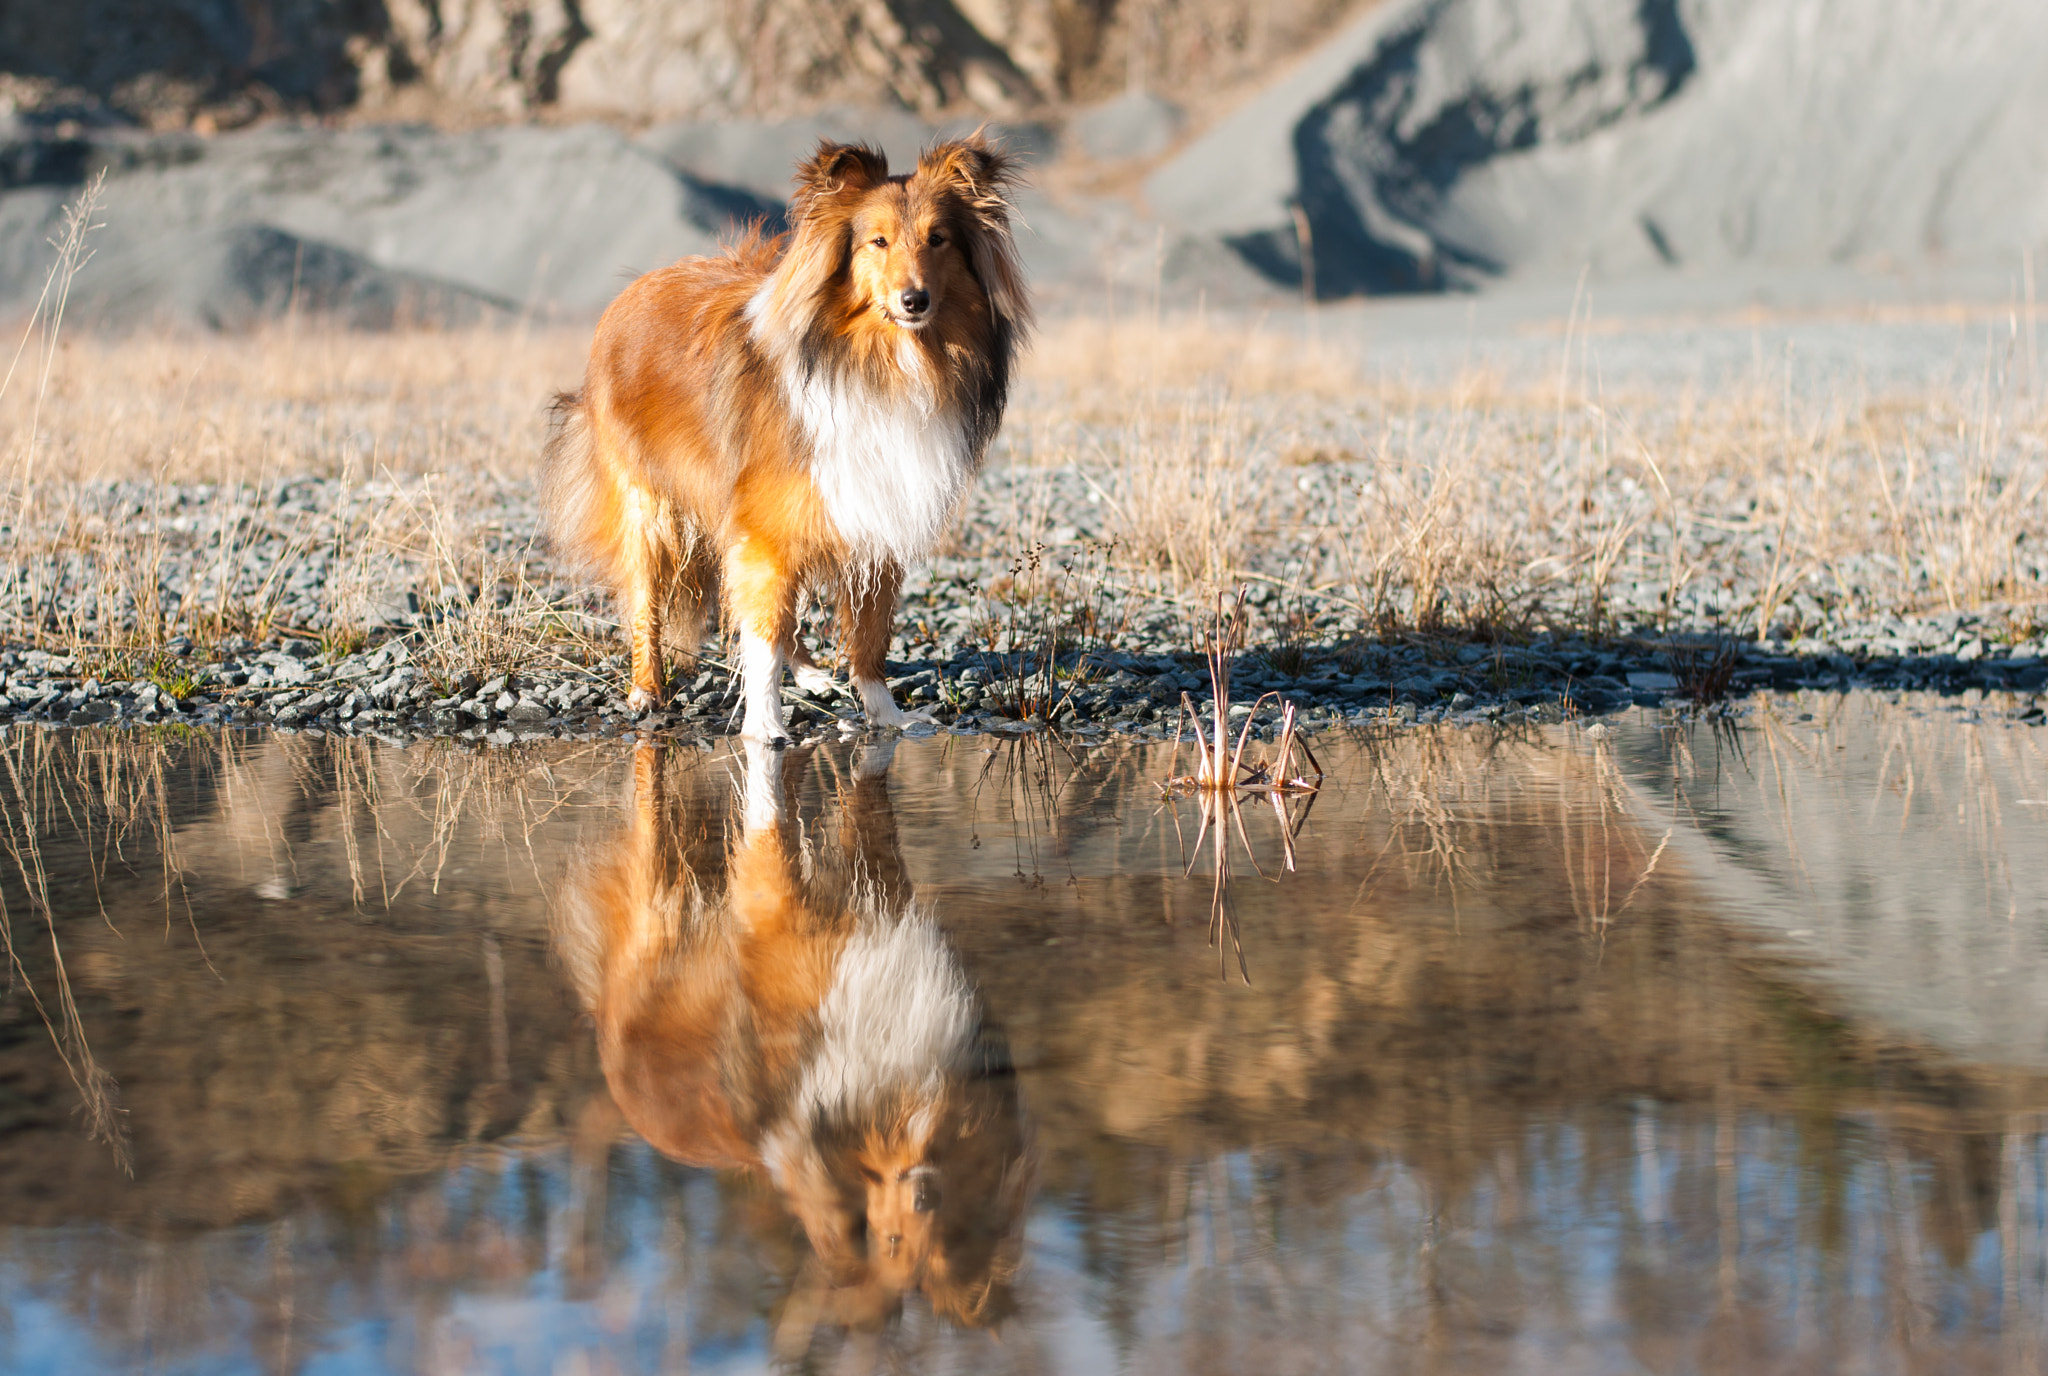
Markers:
828,184
974,167
979,176
832,174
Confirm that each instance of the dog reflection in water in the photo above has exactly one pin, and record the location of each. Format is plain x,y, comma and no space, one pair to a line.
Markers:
805,1017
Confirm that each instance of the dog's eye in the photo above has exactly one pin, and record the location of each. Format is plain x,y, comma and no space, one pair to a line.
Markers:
879,242
938,241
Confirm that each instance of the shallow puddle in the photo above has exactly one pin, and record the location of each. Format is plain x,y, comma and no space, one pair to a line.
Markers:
1638,1048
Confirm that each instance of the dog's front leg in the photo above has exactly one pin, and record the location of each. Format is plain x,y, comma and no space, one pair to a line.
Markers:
764,604
761,680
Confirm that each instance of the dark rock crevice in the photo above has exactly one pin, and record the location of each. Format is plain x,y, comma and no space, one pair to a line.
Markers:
1378,158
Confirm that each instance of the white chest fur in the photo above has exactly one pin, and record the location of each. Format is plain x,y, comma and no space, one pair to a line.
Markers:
899,1018
890,465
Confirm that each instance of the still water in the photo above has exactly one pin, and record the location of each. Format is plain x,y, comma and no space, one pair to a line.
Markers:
1643,1048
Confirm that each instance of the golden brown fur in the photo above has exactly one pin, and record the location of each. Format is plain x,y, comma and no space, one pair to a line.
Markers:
740,413
709,972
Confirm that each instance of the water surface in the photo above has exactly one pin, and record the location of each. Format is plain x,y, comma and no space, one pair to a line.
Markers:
1648,1049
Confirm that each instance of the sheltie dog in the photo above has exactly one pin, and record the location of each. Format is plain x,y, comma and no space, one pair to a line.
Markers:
782,1005
803,412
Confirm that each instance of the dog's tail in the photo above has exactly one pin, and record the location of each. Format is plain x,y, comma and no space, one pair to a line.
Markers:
576,493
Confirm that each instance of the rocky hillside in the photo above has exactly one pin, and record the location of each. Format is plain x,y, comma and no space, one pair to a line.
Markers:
1452,142
474,158
218,63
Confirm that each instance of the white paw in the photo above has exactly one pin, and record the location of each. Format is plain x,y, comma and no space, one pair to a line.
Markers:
639,700
812,679
882,710
763,732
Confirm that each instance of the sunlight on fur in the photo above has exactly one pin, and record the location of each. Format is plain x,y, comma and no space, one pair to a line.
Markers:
835,392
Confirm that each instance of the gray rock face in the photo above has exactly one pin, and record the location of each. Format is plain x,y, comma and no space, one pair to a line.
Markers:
671,59
164,63
146,55
1433,144
230,277
222,63
755,157
1136,124
1449,142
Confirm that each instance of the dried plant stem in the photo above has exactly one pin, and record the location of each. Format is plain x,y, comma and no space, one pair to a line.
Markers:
48,314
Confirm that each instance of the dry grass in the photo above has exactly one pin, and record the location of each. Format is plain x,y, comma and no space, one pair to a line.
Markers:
1487,509
151,446
1040,626
1211,455
296,399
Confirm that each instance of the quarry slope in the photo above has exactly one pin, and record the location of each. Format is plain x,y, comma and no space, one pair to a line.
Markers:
1453,142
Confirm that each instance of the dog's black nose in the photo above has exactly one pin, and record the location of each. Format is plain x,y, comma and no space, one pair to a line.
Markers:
916,301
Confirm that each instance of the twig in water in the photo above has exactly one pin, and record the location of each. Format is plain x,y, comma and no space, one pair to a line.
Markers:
1222,778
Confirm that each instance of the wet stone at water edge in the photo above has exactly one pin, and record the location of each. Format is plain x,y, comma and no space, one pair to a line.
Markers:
392,690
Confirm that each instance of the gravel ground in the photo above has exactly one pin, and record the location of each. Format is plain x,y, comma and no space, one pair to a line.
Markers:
974,661
414,605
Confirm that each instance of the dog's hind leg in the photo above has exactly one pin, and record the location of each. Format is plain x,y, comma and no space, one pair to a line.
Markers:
649,558
692,598
868,609
762,595
808,673
599,513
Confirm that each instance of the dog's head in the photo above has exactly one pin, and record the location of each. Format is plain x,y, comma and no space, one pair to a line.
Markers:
912,248
922,1195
